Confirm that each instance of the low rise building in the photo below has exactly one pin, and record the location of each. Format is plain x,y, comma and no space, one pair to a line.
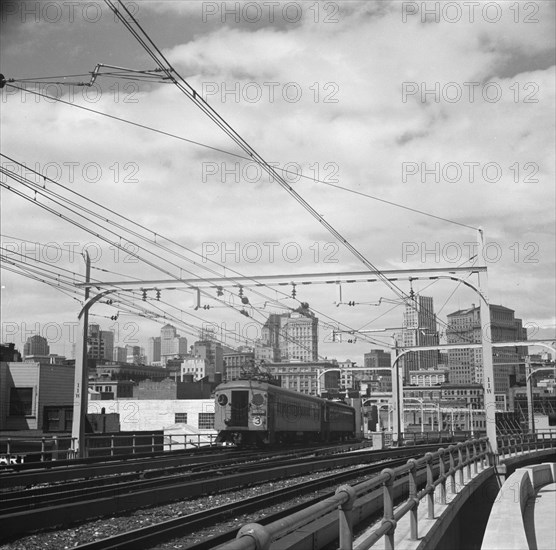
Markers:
104,388
431,377
36,396
306,377
195,366
158,414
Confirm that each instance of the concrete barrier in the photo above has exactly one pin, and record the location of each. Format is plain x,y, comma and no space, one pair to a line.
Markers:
506,527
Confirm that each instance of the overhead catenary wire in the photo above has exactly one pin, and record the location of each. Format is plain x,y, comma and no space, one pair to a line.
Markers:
65,285
41,189
145,43
191,93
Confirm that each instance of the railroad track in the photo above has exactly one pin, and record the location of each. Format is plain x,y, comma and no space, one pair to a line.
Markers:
63,471
114,487
183,526
65,509
68,471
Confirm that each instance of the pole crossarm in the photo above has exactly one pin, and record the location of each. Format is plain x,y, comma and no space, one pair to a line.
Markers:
534,370
541,343
298,278
94,300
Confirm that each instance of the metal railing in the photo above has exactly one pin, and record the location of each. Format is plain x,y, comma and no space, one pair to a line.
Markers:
419,438
439,468
18,450
512,444
40,448
428,478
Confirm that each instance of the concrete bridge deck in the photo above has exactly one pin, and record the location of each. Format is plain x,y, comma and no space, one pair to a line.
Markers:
540,518
524,515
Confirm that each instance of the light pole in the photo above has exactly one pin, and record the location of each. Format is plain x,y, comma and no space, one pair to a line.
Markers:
81,381
420,401
471,429
529,372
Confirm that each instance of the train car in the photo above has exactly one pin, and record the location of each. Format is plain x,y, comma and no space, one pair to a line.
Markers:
338,421
255,412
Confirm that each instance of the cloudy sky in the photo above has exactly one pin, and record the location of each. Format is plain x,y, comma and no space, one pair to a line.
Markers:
405,129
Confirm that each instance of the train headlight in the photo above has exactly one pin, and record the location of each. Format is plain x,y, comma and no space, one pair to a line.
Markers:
222,399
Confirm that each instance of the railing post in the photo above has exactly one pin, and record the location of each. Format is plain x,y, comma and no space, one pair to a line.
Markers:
460,464
258,533
430,486
42,449
442,466
8,446
388,508
491,457
112,445
133,444
413,517
452,470
468,459
475,469
55,447
345,519
152,443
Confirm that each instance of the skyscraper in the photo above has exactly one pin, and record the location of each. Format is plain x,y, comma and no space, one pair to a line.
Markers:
419,329
100,343
36,345
301,339
466,365
107,337
171,343
153,350
293,336
212,352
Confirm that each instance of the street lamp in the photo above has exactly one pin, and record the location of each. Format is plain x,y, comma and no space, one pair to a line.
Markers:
529,372
419,400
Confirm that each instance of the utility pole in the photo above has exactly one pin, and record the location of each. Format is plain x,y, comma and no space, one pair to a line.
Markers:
530,397
397,395
486,340
81,384
529,372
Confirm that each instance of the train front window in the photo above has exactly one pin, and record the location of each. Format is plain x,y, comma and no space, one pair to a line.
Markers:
240,408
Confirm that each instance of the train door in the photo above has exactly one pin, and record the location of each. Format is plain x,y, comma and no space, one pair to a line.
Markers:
240,408
271,418
325,432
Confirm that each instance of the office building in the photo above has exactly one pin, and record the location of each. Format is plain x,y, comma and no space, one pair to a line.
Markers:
36,345
466,365
419,329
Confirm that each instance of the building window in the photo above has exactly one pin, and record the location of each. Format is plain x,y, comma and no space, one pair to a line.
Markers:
68,420
21,401
52,420
180,418
206,421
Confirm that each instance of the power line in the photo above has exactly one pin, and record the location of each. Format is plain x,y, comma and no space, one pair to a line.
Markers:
41,189
191,93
